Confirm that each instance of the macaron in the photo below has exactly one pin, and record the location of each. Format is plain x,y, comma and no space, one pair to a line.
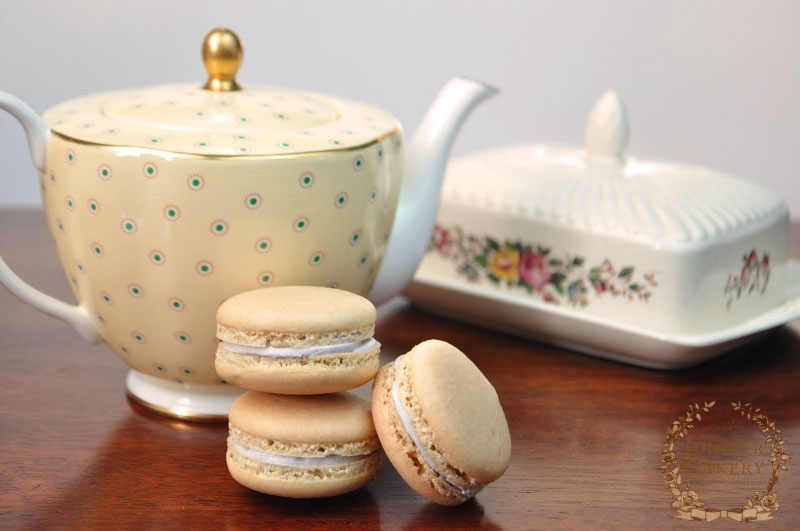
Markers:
440,423
303,446
297,340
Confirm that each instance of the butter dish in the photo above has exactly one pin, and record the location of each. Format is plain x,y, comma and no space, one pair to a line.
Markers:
658,264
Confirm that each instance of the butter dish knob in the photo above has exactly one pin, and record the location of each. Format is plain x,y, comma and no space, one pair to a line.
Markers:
222,56
607,131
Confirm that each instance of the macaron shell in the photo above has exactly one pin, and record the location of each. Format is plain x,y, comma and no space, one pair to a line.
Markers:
328,373
400,448
307,427
456,416
291,316
292,482
296,317
334,419
458,412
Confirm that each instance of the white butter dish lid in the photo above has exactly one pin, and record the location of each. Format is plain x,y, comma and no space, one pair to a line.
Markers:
600,190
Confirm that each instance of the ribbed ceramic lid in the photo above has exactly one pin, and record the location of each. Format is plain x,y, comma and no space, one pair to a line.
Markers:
599,189
221,118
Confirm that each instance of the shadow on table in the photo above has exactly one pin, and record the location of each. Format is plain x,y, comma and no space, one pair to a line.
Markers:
153,472
776,354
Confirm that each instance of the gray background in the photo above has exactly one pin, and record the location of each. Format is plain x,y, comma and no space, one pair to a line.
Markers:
715,83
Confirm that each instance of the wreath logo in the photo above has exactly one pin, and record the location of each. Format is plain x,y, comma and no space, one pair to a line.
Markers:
760,505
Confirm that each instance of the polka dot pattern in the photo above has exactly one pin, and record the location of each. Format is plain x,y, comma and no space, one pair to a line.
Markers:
152,245
150,170
301,224
135,290
341,200
316,258
128,226
172,213
307,179
204,268
258,121
104,172
157,258
263,245
219,227
252,201
195,182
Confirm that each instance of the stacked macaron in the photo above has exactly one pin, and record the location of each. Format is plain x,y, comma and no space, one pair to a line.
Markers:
298,349
297,340
299,433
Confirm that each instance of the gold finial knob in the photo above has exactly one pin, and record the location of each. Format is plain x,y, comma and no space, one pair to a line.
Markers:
222,55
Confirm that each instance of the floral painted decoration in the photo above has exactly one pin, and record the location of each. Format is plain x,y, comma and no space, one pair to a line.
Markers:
536,270
752,278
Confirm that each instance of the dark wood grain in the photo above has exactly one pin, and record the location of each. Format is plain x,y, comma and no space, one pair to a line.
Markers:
587,434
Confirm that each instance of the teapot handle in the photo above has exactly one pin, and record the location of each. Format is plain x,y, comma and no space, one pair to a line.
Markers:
38,134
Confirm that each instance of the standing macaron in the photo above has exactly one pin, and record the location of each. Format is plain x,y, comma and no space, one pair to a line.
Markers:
297,340
441,423
302,446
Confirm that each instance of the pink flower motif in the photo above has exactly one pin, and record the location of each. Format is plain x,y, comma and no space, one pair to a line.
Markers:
441,237
599,285
752,258
765,262
533,270
548,297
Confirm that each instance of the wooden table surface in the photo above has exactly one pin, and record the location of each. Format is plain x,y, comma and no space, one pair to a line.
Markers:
587,434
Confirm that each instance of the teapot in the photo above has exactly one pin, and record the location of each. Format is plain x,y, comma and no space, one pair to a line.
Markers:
165,201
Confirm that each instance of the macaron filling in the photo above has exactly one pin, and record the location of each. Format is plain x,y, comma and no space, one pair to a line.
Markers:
405,420
300,352
292,461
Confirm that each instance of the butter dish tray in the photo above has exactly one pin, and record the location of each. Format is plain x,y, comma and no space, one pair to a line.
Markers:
595,335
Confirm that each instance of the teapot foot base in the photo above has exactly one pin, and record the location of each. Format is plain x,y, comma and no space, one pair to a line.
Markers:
197,403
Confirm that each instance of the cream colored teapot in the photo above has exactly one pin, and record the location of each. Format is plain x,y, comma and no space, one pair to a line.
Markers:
164,201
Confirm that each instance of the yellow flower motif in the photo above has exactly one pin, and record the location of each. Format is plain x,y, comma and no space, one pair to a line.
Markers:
505,264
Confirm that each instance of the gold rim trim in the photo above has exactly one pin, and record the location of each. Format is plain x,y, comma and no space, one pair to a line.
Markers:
174,413
179,154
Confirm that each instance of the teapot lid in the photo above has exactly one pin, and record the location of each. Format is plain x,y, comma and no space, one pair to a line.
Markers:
221,118
599,189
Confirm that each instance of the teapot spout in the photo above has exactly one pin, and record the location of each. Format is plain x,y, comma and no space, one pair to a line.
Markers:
425,163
